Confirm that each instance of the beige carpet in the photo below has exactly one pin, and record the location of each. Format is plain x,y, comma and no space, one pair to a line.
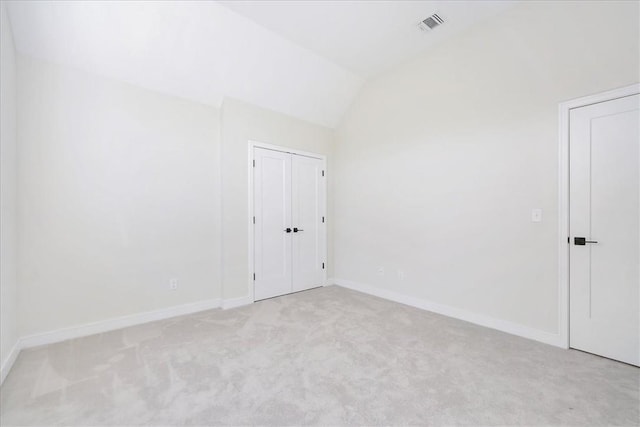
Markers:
328,356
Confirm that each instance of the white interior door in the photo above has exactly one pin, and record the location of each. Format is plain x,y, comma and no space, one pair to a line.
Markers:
308,222
272,216
605,229
289,222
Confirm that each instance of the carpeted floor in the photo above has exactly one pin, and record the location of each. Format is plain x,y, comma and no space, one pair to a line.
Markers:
328,356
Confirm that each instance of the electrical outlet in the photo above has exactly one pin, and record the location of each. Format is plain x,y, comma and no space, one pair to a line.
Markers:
173,284
380,271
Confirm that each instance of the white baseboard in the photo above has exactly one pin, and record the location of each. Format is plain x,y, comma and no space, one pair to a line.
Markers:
115,323
457,313
7,364
92,328
236,302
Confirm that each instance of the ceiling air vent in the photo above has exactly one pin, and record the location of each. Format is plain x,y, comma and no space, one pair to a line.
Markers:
431,22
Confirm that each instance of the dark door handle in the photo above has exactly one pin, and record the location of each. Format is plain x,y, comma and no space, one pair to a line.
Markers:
296,229
581,241
288,230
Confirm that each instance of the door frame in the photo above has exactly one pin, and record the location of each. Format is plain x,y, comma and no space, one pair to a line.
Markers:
564,110
250,211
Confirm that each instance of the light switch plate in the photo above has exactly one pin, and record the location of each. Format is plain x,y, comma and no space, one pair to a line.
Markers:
536,215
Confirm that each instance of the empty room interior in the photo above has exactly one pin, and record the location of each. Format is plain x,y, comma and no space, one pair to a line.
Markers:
286,213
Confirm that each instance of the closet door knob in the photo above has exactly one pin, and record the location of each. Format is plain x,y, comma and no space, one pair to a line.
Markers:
296,229
288,230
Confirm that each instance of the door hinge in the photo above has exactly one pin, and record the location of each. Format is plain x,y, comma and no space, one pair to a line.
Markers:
568,239
322,173
254,219
323,220
254,277
323,265
254,163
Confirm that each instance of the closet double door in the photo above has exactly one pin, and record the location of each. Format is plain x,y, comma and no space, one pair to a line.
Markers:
289,222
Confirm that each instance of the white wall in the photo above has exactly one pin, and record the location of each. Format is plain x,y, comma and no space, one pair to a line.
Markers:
241,123
439,163
118,193
8,193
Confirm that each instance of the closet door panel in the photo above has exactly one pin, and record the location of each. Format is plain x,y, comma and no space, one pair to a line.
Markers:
307,213
272,209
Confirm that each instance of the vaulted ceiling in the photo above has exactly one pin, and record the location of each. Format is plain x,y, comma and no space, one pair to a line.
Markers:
365,37
306,59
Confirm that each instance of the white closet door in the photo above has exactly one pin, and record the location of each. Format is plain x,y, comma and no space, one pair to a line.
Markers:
272,207
605,229
307,215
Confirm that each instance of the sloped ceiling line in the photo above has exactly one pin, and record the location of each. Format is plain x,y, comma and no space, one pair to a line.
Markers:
306,59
